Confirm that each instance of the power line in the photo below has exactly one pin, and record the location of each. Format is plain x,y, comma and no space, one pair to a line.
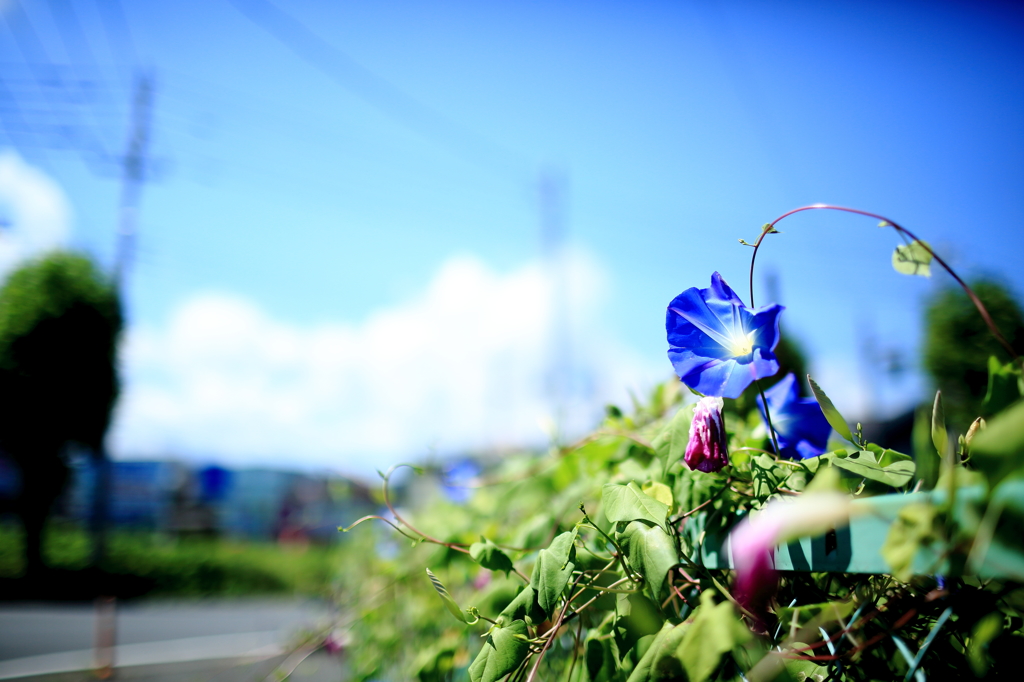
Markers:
71,33
48,79
20,126
375,90
75,42
119,34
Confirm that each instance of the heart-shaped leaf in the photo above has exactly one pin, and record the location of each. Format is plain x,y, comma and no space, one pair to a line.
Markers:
651,553
488,555
628,503
553,570
914,258
502,653
885,466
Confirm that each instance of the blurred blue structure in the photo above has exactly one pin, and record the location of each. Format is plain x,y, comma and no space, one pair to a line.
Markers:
457,480
174,498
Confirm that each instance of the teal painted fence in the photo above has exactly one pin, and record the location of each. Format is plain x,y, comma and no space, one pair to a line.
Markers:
856,548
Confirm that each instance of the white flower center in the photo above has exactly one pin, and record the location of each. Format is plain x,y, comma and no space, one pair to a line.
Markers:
741,344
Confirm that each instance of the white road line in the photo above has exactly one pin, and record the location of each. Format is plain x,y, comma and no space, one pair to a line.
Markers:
248,645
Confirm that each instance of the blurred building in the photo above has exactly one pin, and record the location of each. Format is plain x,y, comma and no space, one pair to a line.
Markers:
182,500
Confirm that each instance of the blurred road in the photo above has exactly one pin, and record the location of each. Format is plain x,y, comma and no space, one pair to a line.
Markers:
161,640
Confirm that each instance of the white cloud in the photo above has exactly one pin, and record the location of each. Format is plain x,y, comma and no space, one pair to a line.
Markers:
462,365
34,211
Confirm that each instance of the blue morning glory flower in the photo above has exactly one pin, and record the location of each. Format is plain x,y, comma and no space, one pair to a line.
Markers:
800,426
717,345
457,480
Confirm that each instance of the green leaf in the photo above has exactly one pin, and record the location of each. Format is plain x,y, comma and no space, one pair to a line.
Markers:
804,670
553,570
601,657
651,553
502,653
835,419
489,555
814,615
524,606
912,529
1005,515
925,456
670,443
1005,386
913,259
716,630
767,475
987,629
885,466
597,454
629,502
659,491
998,450
449,603
638,618
695,487
659,661
940,437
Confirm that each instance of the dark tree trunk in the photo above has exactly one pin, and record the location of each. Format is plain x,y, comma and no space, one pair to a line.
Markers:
100,505
40,488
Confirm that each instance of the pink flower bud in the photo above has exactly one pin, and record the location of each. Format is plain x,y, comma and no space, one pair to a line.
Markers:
707,449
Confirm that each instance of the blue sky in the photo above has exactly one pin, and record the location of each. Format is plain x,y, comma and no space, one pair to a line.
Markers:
340,255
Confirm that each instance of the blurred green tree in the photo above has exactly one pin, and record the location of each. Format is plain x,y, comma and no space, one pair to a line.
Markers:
60,319
957,346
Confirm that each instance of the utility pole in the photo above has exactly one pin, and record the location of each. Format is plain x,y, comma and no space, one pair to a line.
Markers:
134,168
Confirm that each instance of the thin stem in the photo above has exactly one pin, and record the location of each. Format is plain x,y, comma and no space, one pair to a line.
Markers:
766,452
705,503
575,648
687,576
379,518
288,666
728,595
553,631
767,412
619,553
591,586
770,228
483,617
450,545
566,449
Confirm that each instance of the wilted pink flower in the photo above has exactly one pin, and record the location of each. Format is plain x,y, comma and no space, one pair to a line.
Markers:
707,449
753,545
334,642
754,540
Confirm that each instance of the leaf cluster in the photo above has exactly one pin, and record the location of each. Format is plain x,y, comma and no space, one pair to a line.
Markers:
588,562
60,319
958,345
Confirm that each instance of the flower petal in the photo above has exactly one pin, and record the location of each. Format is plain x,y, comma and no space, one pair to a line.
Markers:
765,324
717,345
800,426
